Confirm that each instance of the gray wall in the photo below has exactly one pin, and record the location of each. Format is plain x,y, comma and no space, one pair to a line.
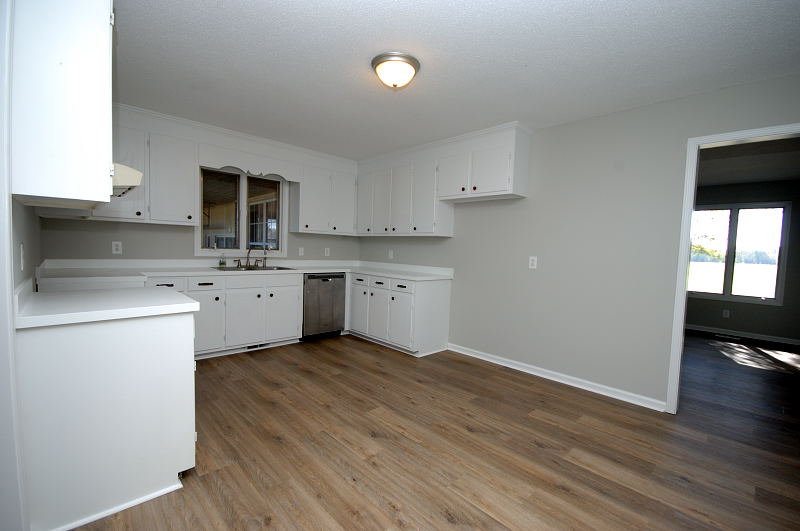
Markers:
92,239
27,231
779,321
603,217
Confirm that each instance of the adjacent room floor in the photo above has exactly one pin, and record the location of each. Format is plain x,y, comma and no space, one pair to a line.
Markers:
345,434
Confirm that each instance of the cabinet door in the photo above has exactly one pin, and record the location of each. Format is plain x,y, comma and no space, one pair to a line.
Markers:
245,316
343,203
378,325
315,199
130,146
402,178
283,313
423,213
60,99
491,170
209,322
400,310
364,204
453,175
174,180
359,308
381,202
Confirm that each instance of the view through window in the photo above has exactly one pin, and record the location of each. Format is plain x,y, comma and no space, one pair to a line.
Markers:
220,222
736,250
263,205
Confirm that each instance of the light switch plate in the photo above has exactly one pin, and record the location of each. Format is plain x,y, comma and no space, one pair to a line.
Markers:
327,251
116,247
301,251
391,254
533,262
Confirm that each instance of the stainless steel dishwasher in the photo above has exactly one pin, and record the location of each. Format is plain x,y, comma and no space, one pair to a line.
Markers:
323,303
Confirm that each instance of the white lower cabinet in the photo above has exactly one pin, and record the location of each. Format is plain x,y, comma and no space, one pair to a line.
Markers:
359,308
209,322
283,308
378,326
245,317
411,315
400,323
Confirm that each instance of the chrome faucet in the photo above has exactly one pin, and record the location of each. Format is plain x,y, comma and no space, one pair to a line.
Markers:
247,262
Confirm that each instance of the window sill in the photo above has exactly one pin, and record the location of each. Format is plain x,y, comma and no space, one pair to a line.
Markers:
735,298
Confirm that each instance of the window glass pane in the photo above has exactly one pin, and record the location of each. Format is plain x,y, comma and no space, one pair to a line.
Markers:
220,210
709,246
263,207
758,241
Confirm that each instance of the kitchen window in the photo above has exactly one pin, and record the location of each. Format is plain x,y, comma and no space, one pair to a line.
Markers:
230,224
738,252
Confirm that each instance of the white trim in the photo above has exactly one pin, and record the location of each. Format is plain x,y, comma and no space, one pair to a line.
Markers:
613,392
748,335
118,508
689,187
206,354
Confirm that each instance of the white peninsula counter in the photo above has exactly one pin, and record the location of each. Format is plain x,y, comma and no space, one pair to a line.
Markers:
105,383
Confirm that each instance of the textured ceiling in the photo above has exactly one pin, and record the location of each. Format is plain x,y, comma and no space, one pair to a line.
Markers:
299,71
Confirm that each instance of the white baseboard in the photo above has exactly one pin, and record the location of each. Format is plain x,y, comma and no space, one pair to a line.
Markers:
83,521
619,394
748,335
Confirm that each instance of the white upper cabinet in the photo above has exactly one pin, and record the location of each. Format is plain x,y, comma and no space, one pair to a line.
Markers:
381,201
423,201
174,180
60,99
325,202
491,164
364,187
343,203
453,175
130,149
402,180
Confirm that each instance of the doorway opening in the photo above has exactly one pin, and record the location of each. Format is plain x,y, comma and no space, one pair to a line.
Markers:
737,276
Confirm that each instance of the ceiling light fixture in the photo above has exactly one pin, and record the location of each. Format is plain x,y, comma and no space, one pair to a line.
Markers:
395,69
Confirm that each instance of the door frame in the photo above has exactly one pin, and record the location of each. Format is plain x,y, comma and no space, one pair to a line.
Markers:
689,189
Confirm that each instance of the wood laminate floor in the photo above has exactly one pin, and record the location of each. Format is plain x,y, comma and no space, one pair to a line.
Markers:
345,434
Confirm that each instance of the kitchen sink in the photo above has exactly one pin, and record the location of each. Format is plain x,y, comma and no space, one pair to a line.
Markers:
253,268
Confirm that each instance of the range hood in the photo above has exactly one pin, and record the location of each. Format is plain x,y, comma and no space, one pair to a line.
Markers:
125,179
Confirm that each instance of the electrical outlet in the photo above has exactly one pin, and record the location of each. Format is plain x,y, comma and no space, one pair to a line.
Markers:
726,314
327,251
391,254
116,247
533,262
301,251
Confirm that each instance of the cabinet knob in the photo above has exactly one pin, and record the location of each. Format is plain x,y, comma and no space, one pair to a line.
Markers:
371,294
258,296
271,294
216,298
392,298
463,189
189,216
474,187
386,229
393,229
367,230
334,228
138,213
306,225
415,228
365,293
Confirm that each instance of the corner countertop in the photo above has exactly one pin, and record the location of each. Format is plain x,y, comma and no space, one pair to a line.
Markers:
71,307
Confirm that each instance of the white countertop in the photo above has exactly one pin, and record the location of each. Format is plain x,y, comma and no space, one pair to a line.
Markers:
145,270
70,307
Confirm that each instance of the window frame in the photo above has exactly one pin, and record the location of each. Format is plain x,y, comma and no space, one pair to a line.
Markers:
730,255
283,217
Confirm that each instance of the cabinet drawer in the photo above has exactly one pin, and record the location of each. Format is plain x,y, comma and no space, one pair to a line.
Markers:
360,280
284,280
380,282
244,280
176,283
402,285
206,283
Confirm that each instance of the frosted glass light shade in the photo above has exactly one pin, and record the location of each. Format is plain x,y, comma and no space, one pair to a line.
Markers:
395,69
